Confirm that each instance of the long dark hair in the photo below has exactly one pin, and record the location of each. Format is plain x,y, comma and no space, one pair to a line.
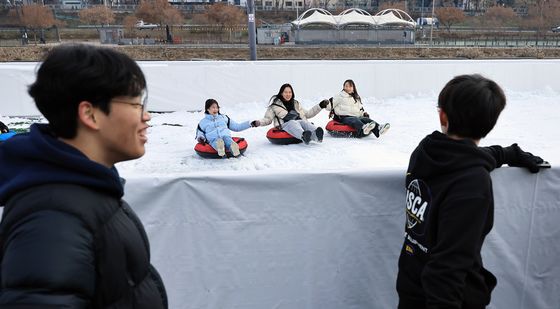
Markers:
355,94
289,104
209,103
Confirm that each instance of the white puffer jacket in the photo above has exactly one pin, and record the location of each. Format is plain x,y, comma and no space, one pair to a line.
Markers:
276,111
345,105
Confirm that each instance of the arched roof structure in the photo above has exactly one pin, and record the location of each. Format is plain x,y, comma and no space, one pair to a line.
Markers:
394,17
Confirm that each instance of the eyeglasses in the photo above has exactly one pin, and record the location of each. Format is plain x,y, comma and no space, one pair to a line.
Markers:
143,105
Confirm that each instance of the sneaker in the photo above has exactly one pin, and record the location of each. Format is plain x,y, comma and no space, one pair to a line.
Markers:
220,147
383,128
368,127
319,133
306,137
235,149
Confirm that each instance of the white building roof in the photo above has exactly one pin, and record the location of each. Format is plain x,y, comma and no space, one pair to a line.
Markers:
354,16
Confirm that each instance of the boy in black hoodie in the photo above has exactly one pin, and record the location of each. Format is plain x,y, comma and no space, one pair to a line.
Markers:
449,200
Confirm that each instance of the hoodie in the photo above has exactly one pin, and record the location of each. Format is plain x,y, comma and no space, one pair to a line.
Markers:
38,157
449,211
67,239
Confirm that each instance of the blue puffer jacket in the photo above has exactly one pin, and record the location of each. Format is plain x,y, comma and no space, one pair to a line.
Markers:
212,127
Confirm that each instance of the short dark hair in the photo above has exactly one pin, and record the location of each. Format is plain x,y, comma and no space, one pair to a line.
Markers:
73,73
209,103
473,104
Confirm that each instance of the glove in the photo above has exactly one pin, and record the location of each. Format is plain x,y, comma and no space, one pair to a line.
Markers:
201,140
324,103
366,115
3,128
515,156
255,123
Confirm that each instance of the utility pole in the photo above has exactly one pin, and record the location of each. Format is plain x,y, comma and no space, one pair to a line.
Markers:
251,29
432,21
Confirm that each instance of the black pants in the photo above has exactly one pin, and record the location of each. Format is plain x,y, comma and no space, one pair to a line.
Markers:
356,122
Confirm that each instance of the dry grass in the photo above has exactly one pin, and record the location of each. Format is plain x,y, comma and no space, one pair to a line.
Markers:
35,53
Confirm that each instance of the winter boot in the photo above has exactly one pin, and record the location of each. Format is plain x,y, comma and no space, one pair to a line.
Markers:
221,148
319,133
368,127
306,137
380,129
234,149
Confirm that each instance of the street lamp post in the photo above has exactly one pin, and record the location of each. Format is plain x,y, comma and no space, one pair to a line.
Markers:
432,22
251,29
422,20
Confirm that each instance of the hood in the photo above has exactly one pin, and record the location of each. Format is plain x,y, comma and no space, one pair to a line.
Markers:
210,116
438,154
344,94
37,158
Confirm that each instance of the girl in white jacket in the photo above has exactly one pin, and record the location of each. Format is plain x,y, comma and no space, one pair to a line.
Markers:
347,108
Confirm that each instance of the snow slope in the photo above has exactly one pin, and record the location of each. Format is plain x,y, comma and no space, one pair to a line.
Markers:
530,119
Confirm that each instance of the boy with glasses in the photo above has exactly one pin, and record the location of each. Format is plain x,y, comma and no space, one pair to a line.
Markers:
67,239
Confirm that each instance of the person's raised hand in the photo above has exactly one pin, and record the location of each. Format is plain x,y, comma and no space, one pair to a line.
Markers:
519,158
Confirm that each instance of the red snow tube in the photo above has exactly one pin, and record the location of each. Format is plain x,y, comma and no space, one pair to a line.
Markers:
281,137
338,129
206,151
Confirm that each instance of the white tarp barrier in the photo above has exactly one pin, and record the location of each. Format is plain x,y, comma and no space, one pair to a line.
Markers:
329,239
186,85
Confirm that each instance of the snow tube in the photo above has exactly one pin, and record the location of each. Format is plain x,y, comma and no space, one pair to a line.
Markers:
206,151
281,137
5,136
338,129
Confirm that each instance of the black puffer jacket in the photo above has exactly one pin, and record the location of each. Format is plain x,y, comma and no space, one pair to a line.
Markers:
67,240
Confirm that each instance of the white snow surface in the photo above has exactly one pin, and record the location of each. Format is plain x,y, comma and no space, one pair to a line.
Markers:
530,119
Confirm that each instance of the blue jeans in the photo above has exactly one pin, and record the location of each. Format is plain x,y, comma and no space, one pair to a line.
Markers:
356,122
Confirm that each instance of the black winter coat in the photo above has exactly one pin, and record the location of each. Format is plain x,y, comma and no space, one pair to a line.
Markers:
91,255
67,239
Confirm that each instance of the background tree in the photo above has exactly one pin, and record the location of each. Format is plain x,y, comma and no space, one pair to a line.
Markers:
449,16
543,14
129,24
97,15
225,15
393,5
36,17
498,16
172,16
159,12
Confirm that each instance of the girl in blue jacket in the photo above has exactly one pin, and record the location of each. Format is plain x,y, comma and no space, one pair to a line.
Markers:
214,129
